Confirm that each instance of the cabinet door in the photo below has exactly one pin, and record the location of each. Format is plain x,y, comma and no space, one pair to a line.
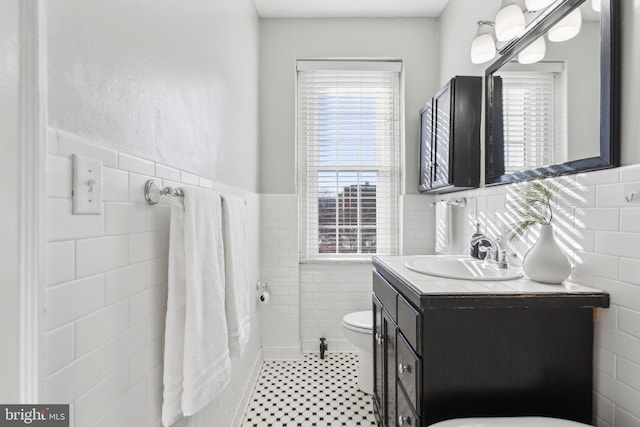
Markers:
406,415
390,358
408,371
379,395
426,147
442,137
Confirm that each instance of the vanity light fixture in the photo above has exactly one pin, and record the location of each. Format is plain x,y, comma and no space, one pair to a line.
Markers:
567,28
534,5
534,52
509,21
596,5
483,46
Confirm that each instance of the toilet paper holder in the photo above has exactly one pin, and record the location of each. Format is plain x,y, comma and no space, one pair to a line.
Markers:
263,296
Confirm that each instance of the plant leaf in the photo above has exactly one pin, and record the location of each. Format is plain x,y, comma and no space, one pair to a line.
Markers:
533,203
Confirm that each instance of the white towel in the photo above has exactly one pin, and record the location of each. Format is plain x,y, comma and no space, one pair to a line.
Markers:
236,264
207,366
174,325
196,306
443,228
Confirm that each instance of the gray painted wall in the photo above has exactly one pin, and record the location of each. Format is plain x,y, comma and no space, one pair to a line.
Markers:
172,81
283,41
10,213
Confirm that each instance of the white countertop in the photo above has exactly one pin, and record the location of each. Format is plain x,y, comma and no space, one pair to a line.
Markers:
431,285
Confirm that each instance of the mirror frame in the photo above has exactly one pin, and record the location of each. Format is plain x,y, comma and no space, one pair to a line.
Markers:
609,94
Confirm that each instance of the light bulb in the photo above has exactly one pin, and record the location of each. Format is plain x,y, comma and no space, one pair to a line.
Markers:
533,5
483,46
509,22
596,5
534,52
567,28
483,49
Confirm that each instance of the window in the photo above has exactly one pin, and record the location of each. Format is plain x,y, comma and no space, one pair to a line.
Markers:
348,134
534,117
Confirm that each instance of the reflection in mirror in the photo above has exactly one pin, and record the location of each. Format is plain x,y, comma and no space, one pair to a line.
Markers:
442,110
544,118
546,102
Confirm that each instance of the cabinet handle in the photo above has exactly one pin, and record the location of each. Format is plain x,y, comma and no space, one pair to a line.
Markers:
404,420
379,338
403,368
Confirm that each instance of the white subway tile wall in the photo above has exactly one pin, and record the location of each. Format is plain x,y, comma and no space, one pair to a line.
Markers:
600,231
136,164
106,279
309,300
280,319
418,224
327,293
167,172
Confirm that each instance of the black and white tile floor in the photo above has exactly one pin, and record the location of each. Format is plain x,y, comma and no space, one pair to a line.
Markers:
310,392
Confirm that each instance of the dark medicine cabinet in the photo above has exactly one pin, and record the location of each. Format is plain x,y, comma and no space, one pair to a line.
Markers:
450,137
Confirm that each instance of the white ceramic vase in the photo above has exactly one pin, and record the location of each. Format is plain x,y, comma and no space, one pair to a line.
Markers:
546,262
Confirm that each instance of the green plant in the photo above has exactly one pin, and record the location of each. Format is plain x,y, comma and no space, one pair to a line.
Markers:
534,202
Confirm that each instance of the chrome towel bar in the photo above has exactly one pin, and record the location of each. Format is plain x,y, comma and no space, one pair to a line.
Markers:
153,192
462,202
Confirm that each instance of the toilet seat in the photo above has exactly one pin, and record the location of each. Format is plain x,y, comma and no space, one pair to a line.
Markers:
359,321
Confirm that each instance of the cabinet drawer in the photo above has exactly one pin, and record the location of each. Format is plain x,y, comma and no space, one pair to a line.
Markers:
408,370
405,416
386,294
409,322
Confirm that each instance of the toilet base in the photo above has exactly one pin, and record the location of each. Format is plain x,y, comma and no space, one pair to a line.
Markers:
365,371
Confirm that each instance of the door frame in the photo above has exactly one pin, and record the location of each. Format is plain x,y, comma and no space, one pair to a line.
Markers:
32,198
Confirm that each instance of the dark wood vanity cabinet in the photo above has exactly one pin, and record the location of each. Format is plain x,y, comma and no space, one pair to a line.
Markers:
440,357
396,367
450,137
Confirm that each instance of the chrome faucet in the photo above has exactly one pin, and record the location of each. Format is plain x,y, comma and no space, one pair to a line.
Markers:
495,255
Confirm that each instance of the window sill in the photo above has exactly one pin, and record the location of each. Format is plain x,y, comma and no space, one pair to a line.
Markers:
337,261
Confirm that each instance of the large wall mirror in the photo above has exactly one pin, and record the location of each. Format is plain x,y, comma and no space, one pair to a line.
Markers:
558,115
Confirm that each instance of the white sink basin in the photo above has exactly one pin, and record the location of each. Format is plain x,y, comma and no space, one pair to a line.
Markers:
461,267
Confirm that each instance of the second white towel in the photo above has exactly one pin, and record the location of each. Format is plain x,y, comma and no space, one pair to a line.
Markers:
444,229
236,263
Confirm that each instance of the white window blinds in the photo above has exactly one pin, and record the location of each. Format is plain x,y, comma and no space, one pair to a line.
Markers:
532,118
348,132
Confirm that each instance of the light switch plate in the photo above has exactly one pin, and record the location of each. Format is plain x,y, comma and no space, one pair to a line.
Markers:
87,186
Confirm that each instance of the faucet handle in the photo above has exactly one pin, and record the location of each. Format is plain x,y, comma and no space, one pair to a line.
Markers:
503,262
488,251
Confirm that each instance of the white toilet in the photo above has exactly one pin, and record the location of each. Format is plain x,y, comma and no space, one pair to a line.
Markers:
358,327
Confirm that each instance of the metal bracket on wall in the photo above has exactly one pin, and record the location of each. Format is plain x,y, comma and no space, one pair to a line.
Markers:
461,202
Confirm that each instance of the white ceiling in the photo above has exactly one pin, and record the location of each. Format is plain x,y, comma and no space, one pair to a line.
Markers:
366,8
349,8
